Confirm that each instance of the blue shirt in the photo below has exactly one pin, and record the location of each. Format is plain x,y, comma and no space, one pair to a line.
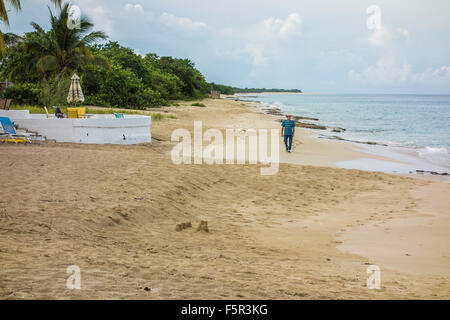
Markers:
288,125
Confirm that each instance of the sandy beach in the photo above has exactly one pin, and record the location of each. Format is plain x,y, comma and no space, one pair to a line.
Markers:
308,232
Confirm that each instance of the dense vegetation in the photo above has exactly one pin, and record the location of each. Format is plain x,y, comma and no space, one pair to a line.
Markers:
4,18
256,90
41,62
233,90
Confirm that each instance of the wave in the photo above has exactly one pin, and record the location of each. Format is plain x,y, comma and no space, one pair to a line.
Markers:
438,155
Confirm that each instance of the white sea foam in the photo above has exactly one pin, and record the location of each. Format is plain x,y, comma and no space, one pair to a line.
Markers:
439,155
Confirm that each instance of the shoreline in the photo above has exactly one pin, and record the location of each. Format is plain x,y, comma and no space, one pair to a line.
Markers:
393,154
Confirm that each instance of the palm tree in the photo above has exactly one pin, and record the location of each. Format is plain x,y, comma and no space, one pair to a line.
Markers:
5,19
62,49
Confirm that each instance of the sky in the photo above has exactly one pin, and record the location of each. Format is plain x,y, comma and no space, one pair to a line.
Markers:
323,46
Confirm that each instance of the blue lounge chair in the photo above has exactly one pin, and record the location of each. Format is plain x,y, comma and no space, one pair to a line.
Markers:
118,115
9,133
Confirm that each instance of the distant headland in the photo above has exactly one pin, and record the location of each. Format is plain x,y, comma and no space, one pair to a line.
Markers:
229,90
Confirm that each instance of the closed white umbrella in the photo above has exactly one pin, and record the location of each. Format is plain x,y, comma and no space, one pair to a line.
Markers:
75,92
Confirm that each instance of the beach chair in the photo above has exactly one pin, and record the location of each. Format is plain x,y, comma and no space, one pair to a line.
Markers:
118,115
5,104
81,112
74,113
8,132
46,112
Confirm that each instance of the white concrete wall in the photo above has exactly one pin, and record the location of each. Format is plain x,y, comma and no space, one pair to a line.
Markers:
99,129
15,114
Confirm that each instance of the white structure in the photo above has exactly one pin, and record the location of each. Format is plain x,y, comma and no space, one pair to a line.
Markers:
96,129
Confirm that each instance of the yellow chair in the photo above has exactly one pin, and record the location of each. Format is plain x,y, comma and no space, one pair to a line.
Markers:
81,112
74,113
14,140
46,112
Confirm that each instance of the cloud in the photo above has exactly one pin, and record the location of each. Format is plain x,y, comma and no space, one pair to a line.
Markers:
256,52
385,70
339,60
403,32
164,22
383,36
316,46
133,7
282,28
183,23
379,36
438,75
102,19
391,71
101,15
265,39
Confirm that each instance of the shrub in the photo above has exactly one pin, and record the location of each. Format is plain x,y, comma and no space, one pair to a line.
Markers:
159,116
119,88
193,82
168,85
26,93
152,98
54,91
198,104
97,100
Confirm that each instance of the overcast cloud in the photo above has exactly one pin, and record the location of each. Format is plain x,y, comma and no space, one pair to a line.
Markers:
317,46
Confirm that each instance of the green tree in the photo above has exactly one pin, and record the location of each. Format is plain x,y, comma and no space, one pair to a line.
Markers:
118,87
168,85
5,19
54,90
194,84
125,57
62,49
19,65
26,93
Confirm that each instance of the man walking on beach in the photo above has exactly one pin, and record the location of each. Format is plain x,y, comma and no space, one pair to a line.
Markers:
287,132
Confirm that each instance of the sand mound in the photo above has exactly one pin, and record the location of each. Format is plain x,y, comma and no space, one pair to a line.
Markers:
203,226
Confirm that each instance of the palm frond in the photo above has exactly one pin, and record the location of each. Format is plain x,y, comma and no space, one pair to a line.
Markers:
16,4
12,38
4,12
47,63
64,49
2,45
57,3
37,27
93,37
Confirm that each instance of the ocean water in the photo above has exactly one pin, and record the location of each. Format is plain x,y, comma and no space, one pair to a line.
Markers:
419,125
